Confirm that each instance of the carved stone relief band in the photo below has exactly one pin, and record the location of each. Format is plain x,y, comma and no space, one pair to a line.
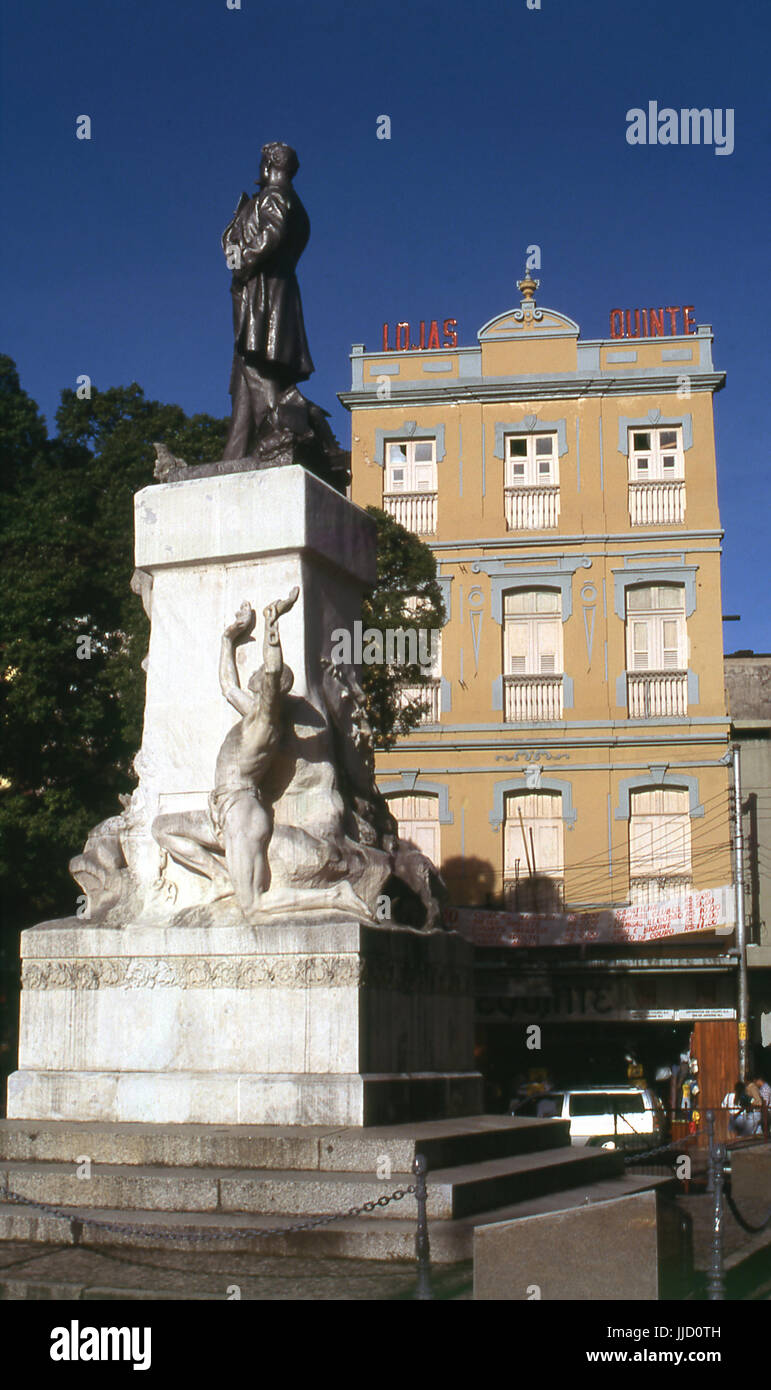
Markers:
239,972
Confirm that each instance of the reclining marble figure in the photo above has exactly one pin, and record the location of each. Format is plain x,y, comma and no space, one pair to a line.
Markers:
295,821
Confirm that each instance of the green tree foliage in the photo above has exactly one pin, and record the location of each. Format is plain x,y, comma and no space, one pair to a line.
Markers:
406,570
23,433
72,634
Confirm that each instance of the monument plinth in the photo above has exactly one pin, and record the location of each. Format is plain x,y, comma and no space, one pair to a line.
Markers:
292,1024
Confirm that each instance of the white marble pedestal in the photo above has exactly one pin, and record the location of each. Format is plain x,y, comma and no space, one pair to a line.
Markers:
202,547
289,1024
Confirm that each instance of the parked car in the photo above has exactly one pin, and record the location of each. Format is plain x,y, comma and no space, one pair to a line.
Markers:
610,1116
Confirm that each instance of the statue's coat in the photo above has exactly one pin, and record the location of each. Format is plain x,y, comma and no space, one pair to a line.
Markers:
271,231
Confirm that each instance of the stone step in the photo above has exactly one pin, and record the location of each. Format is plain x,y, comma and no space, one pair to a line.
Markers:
452,1192
485,1187
349,1238
444,1143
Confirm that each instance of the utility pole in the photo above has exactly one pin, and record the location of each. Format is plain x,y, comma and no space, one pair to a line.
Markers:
741,930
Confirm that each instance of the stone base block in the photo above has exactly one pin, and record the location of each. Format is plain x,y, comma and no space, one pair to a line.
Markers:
293,1024
628,1248
199,1098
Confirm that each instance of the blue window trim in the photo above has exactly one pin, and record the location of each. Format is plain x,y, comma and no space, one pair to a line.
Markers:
652,421
560,579
683,575
530,424
658,777
409,430
407,784
518,784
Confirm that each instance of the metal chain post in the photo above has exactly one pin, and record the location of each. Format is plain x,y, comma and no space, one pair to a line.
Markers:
422,1246
710,1151
716,1276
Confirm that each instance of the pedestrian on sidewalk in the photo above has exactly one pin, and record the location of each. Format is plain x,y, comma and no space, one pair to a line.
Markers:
760,1091
744,1115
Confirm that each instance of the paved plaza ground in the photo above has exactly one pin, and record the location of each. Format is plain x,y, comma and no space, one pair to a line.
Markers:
65,1272
30,1271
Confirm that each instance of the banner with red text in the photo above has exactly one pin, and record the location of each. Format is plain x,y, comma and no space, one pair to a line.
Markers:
711,910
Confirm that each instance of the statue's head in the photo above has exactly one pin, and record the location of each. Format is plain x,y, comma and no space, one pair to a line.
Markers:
254,682
281,158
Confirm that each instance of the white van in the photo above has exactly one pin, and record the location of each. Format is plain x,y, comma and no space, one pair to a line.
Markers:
611,1116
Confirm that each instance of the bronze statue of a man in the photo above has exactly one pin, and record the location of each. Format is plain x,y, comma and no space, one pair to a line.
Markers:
229,843
262,246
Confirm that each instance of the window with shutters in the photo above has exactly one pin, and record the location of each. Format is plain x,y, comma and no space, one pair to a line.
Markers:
656,476
656,455
659,845
531,491
410,484
418,820
657,655
532,655
430,644
534,865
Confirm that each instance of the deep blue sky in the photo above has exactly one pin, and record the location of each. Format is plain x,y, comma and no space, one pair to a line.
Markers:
508,128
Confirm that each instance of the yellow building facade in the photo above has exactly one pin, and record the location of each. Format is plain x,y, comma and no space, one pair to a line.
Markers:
571,774
573,752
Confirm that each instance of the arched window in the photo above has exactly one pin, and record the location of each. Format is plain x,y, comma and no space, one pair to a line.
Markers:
533,850
659,845
418,821
429,657
532,654
656,650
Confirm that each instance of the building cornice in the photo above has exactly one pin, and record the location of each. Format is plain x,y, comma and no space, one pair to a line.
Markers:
514,541
567,386
553,738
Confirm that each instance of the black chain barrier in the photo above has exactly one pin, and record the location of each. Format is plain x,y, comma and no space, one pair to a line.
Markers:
188,1233
642,1155
747,1225
418,1190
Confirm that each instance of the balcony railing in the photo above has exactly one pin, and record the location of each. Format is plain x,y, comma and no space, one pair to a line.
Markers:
532,698
542,892
645,890
653,503
428,695
416,511
657,694
531,508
